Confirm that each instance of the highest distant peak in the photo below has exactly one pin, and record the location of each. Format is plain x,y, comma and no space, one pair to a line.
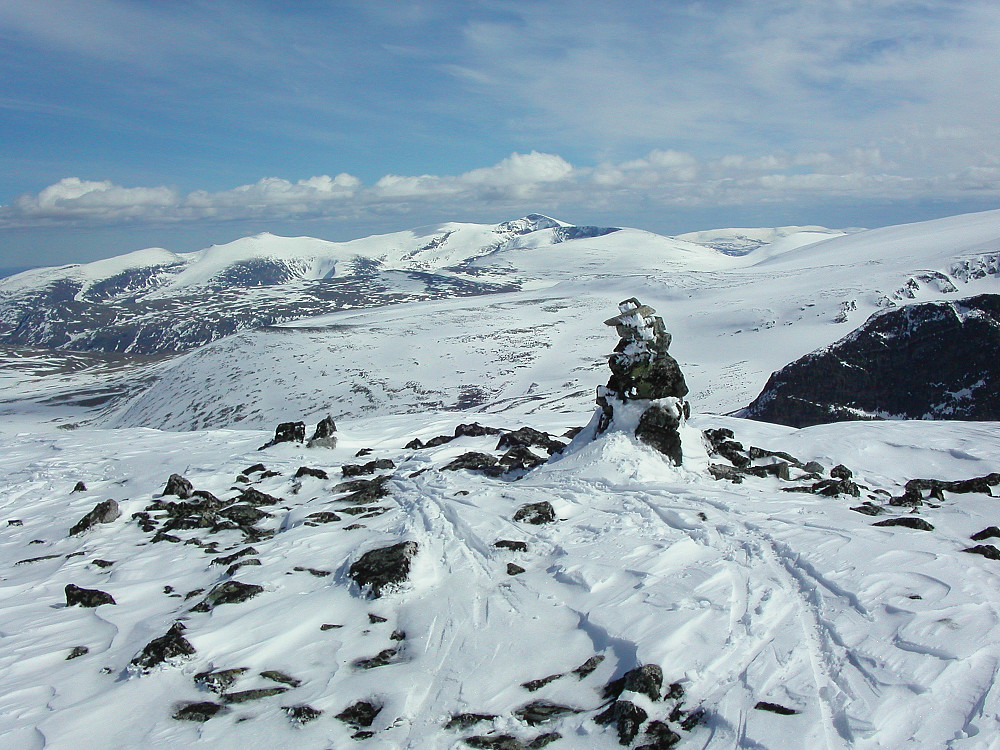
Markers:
530,223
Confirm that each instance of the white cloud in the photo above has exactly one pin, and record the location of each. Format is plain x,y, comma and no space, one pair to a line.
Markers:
520,182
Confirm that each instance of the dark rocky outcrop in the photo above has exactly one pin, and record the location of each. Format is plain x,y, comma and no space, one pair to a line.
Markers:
324,436
219,680
364,490
287,432
360,714
525,437
80,487
514,546
474,429
198,710
536,513
104,512
986,550
658,427
627,718
383,568
255,694
534,685
76,652
86,597
934,360
465,721
513,569
357,470
661,736
301,713
775,708
179,486
227,592
987,533
588,667
305,471
910,522
475,461
168,646
539,712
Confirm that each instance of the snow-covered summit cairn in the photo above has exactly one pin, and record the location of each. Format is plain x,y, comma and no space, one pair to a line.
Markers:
643,371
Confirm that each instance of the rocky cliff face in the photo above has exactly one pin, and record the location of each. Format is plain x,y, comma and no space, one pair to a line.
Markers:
936,360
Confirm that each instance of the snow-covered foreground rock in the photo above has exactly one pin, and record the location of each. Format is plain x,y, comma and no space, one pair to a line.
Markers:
743,594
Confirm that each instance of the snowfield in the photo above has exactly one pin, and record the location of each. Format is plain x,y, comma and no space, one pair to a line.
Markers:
779,619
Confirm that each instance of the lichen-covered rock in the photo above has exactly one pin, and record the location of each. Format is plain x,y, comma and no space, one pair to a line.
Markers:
86,597
324,436
219,680
287,432
627,718
467,720
255,694
301,713
647,679
475,461
364,490
659,427
179,486
104,512
380,569
227,592
536,513
526,437
356,470
539,712
360,714
197,710
168,646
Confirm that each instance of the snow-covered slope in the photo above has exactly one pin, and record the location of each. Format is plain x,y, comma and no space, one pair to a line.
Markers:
734,321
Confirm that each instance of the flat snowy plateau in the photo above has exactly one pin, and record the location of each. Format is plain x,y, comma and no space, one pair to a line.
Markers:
779,619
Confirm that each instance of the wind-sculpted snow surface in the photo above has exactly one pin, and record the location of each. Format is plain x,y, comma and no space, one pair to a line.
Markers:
788,619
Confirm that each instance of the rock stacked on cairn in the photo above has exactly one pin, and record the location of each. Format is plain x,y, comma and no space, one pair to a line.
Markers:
642,370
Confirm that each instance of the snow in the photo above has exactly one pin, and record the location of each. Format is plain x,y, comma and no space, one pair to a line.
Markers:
878,637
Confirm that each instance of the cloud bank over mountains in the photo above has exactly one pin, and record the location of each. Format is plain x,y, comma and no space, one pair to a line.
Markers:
664,177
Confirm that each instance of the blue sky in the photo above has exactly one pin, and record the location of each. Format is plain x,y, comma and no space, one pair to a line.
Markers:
181,123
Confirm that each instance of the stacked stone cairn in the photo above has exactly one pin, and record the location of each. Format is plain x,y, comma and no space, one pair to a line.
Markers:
642,370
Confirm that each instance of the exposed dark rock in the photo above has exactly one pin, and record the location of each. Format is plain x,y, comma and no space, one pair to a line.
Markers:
987,533
364,490
360,714
910,522
526,437
538,712
301,713
246,562
329,626
230,559
287,432
661,737
365,511
693,718
218,681
675,691
756,453
533,685
363,452
474,430
381,659
86,597
362,735
305,471
198,710
588,667
536,513
255,469
434,442
913,490
37,559
464,721
986,550
251,496
323,516
256,694
775,708
931,360
841,472
543,740
812,467
179,486
324,436
168,646
513,569
103,563
80,487
494,742
397,635
356,470
520,457
376,619
513,546
77,651
312,571
869,509
640,365
15,522
383,568
647,679
834,487
104,512
724,471
658,427
626,716
244,515
227,592
475,461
